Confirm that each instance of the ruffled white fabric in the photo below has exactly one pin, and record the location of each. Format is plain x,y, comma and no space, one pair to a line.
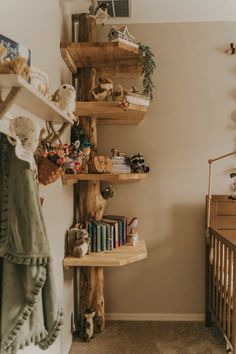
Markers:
23,133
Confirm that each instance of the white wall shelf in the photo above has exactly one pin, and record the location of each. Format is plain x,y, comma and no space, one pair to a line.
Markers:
30,100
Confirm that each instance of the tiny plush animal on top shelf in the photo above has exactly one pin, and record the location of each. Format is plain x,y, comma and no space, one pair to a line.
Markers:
103,91
65,97
132,236
17,65
88,325
100,11
137,164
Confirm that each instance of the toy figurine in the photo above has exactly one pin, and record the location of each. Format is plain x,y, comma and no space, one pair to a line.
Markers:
132,236
88,325
85,150
78,242
65,98
137,163
100,12
103,90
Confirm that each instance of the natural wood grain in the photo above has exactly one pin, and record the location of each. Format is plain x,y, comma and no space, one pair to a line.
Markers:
112,59
109,177
31,100
118,257
110,113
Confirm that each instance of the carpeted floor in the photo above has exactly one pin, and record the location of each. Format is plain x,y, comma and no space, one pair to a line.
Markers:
153,338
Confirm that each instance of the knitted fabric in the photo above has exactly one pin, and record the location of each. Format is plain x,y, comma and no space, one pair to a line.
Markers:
30,312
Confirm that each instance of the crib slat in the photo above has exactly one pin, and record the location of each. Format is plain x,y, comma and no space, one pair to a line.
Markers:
229,296
226,263
214,275
217,278
221,282
234,305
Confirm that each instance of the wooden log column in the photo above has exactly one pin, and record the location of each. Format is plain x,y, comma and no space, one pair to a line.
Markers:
91,202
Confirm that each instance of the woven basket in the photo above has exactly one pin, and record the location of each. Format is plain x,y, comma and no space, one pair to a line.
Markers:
48,172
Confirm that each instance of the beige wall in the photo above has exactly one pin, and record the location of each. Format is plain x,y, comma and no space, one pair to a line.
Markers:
37,24
187,123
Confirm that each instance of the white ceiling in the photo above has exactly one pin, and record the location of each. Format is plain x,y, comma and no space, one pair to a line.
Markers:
169,10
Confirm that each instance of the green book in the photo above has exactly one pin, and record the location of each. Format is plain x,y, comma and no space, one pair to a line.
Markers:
103,236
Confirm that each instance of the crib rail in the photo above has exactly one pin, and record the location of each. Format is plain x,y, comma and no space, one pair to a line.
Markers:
221,282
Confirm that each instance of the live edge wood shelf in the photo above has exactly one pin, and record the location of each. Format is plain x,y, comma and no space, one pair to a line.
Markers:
25,96
111,113
68,179
118,257
111,59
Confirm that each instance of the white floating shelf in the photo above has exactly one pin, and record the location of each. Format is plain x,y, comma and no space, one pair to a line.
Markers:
32,101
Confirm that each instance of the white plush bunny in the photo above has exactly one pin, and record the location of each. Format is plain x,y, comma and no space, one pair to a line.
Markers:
65,99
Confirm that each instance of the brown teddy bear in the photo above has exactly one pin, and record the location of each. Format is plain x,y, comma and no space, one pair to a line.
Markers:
17,65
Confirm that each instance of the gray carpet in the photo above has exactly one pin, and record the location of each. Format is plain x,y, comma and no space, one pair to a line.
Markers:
153,338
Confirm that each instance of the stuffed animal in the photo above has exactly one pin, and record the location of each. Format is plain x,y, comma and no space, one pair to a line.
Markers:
103,90
65,98
3,52
88,325
78,242
137,164
17,66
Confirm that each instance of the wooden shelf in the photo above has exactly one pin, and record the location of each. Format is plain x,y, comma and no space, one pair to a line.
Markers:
110,113
68,179
115,258
31,100
112,59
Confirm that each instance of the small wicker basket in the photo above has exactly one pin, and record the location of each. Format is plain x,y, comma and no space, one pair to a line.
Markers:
48,172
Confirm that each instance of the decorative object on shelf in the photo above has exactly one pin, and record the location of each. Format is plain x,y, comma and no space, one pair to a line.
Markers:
118,93
114,152
65,98
100,164
50,161
132,236
88,325
231,49
108,192
133,96
17,66
39,80
86,150
120,163
15,49
100,11
103,91
78,241
3,52
122,34
137,163
149,65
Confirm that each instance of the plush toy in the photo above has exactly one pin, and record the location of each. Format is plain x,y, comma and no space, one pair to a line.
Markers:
3,52
103,90
132,236
78,242
65,98
100,12
17,66
137,164
88,325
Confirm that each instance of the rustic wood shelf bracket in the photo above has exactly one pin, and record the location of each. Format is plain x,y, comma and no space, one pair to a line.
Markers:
5,104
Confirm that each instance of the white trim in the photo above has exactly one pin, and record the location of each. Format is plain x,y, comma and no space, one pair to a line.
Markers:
155,317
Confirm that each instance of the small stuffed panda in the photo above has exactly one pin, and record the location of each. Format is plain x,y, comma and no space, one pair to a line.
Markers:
137,164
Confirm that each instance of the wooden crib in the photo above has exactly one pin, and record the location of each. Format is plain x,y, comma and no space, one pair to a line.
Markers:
221,267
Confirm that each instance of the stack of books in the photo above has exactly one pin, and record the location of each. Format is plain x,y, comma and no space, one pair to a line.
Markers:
107,234
120,165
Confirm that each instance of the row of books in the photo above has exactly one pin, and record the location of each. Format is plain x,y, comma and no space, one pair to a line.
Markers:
107,234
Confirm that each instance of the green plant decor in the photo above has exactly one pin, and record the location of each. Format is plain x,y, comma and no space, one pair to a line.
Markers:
148,69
